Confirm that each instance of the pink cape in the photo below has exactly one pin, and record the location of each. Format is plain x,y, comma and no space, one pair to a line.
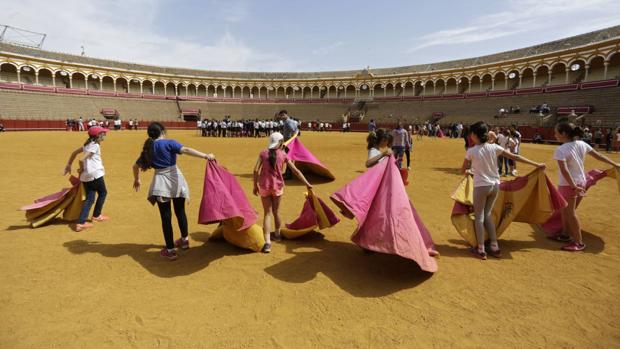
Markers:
223,198
387,220
311,217
305,161
553,227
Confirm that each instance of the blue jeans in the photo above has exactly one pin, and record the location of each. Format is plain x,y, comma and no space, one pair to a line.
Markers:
92,187
398,154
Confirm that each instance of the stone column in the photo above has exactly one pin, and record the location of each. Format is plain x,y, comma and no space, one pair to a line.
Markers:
19,78
114,82
54,79
186,90
520,81
493,84
549,77
567,70
100,83
587,68
36,77
606,64
141,88
70,81
534,79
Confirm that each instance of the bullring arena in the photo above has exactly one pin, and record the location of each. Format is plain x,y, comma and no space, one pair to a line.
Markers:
109,287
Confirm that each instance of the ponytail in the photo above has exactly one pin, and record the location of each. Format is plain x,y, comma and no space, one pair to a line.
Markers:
90,140
569,129
273,158
371,139
155,130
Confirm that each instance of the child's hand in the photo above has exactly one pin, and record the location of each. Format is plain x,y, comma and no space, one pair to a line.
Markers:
579,189
67,170
469,172
136,185
541,166
255,191
387,152
309,186
210,157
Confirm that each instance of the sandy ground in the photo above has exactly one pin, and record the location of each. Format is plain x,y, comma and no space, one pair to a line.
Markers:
108,287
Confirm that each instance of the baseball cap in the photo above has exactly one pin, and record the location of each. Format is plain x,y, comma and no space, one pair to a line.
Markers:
96,130
275,139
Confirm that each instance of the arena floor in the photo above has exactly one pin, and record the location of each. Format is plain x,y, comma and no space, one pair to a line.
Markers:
108,287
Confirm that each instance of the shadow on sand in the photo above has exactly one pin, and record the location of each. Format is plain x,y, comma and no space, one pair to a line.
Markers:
354,271
594,244
147,255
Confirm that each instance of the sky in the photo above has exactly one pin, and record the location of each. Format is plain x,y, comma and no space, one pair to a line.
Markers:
314,35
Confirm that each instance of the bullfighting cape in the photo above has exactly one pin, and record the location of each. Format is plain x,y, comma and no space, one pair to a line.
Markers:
305,161
67,201
553,227
528,199
314,215
224,199
387,221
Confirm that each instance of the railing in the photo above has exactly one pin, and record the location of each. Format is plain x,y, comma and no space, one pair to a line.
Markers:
483,94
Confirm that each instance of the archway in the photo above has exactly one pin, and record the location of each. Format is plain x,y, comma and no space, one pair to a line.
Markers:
527,78
558,74
45,77
542,76
27,75
8,72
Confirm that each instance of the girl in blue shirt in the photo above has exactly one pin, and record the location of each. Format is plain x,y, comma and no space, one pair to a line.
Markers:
168,183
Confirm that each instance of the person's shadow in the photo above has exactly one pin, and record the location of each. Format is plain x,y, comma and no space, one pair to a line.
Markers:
356,272
460,248
147,255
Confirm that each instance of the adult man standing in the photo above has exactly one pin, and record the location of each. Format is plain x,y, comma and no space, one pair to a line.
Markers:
81,124
290,129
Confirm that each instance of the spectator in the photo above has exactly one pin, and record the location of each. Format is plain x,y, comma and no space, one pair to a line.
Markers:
537,139
598,137
609,137
372,126
80,124
587,136
1,127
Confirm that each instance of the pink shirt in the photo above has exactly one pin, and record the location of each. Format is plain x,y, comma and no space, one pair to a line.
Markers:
271,178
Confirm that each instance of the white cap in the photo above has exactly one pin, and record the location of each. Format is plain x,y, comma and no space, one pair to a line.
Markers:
274,140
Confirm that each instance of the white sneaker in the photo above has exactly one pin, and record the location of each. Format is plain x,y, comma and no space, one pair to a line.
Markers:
514,173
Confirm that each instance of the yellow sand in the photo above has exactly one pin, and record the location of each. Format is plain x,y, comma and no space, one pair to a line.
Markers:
108,287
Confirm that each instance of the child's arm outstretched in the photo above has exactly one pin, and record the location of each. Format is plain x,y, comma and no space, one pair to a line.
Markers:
600,157
71,158
298,173
255,177
519,158
197,154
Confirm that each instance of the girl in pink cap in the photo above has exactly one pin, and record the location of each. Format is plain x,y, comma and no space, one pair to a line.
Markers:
91,175
269,184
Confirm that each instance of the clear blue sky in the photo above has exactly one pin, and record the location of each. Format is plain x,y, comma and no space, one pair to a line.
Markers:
270,35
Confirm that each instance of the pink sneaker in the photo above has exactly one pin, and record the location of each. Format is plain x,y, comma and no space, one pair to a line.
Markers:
171,255
101,218
80,227
182,244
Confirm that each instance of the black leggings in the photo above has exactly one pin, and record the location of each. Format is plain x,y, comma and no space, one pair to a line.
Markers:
165,213
408,155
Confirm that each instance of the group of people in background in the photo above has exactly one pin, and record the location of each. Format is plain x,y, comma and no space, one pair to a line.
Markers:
81,125
228,127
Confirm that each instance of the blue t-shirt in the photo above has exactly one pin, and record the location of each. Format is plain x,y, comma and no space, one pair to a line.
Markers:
165,153
289,128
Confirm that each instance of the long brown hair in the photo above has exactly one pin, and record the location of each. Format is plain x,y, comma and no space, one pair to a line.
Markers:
154,131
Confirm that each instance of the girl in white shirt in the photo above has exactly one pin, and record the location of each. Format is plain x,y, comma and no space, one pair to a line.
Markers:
481,161
572,179
379,147
91,176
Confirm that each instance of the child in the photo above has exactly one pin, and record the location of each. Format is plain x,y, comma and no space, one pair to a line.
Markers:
91,175
269,184
378,147
572,179
481,161
168,183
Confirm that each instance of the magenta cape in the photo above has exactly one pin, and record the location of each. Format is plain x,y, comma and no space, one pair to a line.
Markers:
305,161
553,227
387,221
314,215
223,198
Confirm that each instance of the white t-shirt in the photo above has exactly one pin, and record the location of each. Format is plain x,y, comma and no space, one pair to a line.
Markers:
93,166
483,159
374,152
574,153
502,140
